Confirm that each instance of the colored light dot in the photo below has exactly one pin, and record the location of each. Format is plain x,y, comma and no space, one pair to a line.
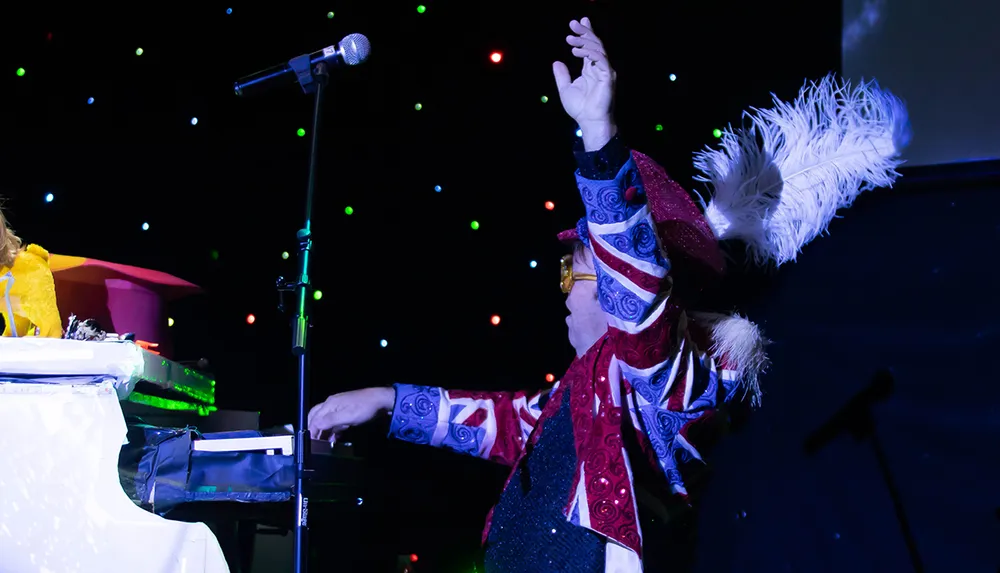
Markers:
659,127
194,121
550,378
717,133
673,77
329,14
20,72
284,255
474,225
170,321
251,319
317,295
138,51
550,205
49,197
300,132
90,101
437,188
145,226
533,264
229,10
579,133
413,557
214,254
348,210
545,99
495,319
496,57
418,107
421,9
383,343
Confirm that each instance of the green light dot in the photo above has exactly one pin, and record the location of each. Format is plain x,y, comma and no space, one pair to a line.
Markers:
545,99
301,132
659,127
214,254
716,133
317,295
284,255
170,321
421,9
474,225
138,51
349,210
20,72
329,14
418,107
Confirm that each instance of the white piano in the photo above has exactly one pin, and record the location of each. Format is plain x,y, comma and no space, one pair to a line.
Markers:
62,508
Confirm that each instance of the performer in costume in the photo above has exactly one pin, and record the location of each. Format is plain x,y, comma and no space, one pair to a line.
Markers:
28,292
647,386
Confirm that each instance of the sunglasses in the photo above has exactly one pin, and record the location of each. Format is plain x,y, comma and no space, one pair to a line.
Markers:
568,277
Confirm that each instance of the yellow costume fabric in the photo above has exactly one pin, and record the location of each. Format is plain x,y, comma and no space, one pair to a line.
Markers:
32,295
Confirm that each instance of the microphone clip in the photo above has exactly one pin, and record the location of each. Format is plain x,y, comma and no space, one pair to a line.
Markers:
308,77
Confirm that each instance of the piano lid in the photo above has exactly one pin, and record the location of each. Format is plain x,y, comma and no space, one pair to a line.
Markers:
121,298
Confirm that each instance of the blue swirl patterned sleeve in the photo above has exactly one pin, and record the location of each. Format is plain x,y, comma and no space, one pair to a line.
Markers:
671,386
488,425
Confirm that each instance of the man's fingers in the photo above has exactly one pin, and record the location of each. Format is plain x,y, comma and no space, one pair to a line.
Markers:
584,30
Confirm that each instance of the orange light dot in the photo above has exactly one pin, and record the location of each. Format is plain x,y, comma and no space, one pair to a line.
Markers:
550,378
251,319
413,558
495,57
495,319
550,205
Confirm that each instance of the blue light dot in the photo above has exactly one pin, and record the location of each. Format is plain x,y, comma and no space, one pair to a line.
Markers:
533,264
229,10
673,77
90,101
437,188
384,343
145,226
194,121
49,197
579,133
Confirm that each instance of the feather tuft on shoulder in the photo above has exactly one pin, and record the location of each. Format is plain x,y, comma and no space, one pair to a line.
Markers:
740,345
778,182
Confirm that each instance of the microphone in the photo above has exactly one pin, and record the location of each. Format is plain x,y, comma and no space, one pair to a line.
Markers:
351,51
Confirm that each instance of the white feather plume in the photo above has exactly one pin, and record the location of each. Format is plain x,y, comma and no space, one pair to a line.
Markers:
779,181
740,344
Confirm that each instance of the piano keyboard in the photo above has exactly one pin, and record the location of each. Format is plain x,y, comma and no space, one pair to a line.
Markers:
60,361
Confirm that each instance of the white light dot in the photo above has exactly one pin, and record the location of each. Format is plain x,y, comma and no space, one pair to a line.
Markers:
533,264
49,197
673,77
384,343
145,226
194,121
579,133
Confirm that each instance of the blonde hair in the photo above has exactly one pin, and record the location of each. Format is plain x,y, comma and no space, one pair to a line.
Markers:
10,243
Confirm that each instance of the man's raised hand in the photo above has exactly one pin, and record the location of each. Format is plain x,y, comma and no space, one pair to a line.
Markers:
589,98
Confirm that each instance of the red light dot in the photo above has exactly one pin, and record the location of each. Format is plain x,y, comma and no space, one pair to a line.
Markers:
251,319
413,558
495,57
495,319
550,205
550,378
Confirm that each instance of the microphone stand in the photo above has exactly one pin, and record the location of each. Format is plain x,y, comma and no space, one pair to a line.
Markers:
313,80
